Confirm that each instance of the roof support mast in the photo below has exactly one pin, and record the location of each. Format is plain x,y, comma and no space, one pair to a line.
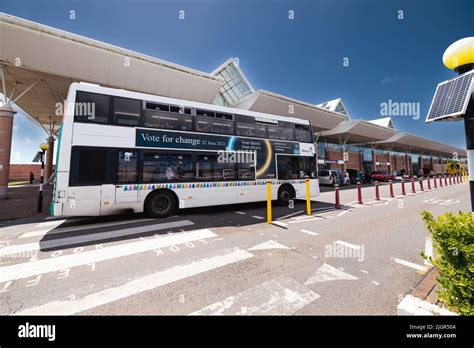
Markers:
6,129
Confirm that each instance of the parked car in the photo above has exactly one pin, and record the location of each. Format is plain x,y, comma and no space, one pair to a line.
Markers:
352,175
359,177
379,176
344,178
328,177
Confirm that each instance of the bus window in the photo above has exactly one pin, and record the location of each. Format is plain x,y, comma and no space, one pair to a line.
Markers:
126,111
246,169
307,167
303,135
168,167
127,167
296,167
180,110
217,126
91,107
281,133
203,167
165,120
251,130
209,169
206,113
224,116
88,166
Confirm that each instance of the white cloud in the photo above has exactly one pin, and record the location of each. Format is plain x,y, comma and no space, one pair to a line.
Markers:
388,79
28,141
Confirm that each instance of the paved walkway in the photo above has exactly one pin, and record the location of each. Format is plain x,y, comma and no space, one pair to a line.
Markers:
22,202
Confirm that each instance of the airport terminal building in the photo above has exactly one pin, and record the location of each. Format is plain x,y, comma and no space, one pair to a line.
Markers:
342,143
38,63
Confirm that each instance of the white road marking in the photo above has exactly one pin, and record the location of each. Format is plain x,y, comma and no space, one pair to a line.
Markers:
81,228
87,238
343,212
29,269
309,232
357,205
375,283
240,212
313,215
280,224
50,223
258,217
271,244
410,264
280,296
310,219
326,273
290,215
364,271
153,281
348,245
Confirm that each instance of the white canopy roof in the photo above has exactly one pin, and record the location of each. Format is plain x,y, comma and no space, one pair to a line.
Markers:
384,122
30,51
272,103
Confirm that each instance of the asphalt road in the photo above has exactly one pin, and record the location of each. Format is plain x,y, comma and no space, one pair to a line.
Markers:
361,259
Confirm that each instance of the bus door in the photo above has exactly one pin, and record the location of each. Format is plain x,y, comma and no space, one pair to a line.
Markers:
126,189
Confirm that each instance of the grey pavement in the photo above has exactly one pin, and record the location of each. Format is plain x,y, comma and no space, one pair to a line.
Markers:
361,259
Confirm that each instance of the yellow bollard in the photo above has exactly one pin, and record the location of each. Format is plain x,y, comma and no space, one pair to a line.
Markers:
269,202
308,198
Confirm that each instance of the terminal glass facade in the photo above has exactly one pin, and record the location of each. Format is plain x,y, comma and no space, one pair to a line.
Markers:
235,87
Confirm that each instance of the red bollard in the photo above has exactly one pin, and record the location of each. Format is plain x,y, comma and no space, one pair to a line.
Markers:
440,181
421,184
450,182
459,179
412,185
429,183
377,195
359,193
391,189
403,187
445,181
434,181
336,190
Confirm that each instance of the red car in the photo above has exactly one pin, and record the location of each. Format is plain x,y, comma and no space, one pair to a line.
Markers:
379,176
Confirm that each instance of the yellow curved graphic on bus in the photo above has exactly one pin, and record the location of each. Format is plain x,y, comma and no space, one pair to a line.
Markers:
452,167
268,160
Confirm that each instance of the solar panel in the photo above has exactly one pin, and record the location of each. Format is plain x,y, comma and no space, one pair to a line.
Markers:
451,97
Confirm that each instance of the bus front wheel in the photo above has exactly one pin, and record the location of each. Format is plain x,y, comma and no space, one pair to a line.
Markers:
160,204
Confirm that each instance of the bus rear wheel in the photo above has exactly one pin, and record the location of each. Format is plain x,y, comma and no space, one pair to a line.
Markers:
160,204
285,194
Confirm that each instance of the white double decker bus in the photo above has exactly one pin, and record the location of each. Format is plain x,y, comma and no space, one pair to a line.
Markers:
122,151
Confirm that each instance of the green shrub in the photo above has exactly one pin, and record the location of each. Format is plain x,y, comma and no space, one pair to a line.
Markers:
453,238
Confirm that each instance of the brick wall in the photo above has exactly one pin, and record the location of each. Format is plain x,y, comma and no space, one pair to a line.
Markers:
335,155
21,172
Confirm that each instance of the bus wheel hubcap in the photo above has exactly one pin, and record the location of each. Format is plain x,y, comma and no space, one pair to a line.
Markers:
161,204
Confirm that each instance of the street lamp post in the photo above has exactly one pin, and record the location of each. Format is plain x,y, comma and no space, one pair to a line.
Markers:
43,147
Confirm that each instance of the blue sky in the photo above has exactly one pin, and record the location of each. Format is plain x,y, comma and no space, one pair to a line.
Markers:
302,58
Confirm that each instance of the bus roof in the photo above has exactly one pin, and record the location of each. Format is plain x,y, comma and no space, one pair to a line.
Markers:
94,88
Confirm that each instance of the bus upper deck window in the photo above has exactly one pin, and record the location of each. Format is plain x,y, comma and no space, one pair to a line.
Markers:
91,107
127,111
